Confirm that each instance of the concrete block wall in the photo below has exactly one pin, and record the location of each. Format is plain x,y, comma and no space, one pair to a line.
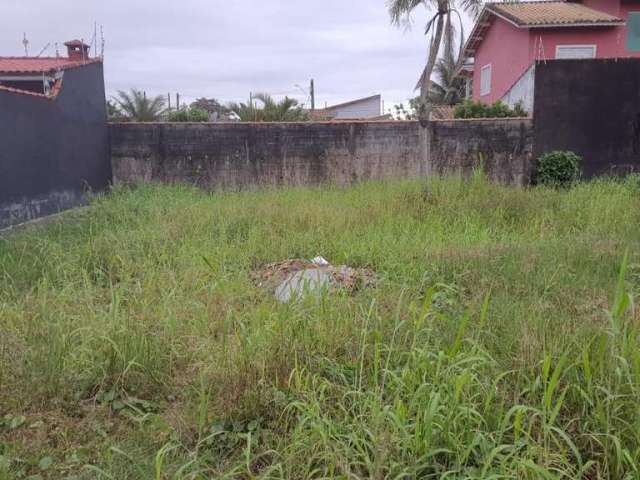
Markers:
501,147
217,155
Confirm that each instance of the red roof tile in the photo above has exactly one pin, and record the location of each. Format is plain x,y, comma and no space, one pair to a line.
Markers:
538,14
552,13
19,65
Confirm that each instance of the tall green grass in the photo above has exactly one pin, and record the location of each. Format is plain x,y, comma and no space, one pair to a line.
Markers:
500,342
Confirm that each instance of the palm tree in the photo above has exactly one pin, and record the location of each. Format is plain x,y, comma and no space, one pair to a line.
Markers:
400,12
286,110
449,86
210,105
113,112
135,106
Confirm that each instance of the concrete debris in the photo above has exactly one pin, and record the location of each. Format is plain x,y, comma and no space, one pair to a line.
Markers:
291,279
321,261
313,280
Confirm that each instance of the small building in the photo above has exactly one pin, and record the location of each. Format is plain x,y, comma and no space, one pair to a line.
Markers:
54,134
508,38
41,74
362,108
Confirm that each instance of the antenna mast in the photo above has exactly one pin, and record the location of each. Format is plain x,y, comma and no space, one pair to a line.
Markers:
25,42
44,49
101,42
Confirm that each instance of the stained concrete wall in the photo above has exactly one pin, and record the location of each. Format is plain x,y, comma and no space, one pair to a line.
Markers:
215,155
501,147
591,107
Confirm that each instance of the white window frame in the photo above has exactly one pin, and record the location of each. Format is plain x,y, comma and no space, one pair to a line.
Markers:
486,91
592,46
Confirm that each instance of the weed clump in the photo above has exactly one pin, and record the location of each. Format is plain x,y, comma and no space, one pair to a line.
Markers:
558,169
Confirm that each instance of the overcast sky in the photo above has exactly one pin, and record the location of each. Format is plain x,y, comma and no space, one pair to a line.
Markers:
227,48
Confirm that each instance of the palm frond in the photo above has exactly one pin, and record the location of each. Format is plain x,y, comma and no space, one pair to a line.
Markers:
400,10
137,107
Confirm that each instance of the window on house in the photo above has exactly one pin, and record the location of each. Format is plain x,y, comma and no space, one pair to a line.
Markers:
633,32
485,80
575,51
468,88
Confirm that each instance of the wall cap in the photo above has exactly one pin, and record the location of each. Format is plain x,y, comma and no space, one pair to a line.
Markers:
341,122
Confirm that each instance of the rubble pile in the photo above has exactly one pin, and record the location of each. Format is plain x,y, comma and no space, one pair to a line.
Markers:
290,279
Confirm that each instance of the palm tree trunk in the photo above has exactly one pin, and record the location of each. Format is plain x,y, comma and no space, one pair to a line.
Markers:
425,88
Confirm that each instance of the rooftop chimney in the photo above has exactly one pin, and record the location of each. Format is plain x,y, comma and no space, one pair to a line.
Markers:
77,50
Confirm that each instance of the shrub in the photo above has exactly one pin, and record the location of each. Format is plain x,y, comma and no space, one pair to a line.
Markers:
558,169
189,115
499,109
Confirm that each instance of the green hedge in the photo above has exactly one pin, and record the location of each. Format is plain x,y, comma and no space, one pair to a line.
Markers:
471,109
189,115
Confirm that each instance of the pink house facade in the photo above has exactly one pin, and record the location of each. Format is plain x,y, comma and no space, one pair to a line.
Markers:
510,37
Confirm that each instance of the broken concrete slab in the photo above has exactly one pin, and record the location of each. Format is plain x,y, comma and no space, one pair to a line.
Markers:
311,281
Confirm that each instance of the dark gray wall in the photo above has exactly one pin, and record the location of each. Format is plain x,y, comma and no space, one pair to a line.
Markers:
501,147
593,108
238,155
53,150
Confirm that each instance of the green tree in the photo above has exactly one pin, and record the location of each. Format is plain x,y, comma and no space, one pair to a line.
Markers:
135,106
448,87
211,106
263,108
191,114
113,112
400,12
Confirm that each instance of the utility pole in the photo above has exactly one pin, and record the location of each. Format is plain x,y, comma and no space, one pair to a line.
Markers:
177,102
169,100
313,95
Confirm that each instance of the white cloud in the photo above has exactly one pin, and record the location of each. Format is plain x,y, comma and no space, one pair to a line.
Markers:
227,48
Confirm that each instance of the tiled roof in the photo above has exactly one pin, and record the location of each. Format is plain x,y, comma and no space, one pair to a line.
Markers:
21,65
551,13
320,115
538,14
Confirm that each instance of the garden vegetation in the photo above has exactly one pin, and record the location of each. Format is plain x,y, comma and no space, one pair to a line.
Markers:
500,341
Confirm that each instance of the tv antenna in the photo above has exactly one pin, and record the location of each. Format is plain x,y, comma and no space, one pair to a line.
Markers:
44,49
25,42
101,42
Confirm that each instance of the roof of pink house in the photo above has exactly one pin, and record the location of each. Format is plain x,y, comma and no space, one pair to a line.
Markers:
22,65
538,14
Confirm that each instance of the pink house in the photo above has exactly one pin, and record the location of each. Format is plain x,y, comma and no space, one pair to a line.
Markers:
510,37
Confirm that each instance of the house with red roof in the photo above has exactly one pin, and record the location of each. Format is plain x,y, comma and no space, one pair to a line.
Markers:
43,75
509,38
54,135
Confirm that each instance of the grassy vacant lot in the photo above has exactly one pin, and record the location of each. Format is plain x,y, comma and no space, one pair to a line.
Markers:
500,342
